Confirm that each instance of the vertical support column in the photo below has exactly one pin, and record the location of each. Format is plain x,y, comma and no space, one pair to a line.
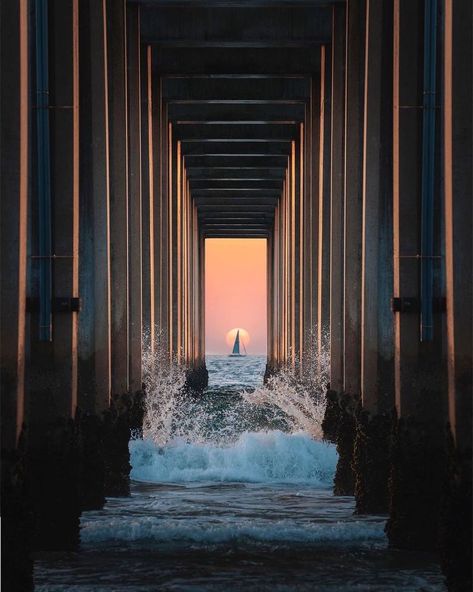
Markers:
339,421
323,218
202,297
64,98
161,232
293,269
269,301
53,468
336,199
312,223
458,212
299,246
355,21
134,203
17,568
14,206
377,370
94,273
457,157
419,366
118,126
372,457
150,209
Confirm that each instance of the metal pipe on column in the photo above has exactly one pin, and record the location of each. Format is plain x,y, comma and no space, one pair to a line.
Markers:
428,170
43,171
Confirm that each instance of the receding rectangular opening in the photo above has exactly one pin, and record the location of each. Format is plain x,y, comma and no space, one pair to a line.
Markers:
235,294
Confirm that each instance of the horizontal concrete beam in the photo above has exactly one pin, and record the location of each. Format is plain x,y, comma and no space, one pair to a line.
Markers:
235,111
197,184
234,3
235,161
241,148
240,60
221,26
239,208
235,193
233,201
224,215
243,233
235,88
238,131
248,173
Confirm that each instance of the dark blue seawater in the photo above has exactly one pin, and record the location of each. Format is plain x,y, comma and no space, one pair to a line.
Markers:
238,499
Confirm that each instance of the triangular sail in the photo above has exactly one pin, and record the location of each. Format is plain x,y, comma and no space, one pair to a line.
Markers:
236,345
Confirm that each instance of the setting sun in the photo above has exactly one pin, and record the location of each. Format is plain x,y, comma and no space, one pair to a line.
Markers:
244,336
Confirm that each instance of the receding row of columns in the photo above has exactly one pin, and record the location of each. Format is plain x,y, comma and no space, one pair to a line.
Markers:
347,261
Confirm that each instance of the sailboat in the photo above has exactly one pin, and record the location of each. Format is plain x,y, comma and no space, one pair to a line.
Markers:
236,347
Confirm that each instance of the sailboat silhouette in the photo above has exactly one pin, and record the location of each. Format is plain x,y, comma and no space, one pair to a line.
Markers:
236,347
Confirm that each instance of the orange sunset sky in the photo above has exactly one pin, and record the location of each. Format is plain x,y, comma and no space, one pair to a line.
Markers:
235,292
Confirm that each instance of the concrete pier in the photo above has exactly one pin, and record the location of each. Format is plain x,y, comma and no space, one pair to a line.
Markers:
132,131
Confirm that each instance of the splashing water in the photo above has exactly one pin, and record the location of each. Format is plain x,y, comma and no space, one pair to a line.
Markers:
291,401
262,433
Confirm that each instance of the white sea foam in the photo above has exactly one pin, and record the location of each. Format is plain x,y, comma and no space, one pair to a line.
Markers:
163,531
262,457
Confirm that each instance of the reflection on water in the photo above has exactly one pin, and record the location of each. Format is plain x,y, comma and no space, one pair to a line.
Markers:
231,494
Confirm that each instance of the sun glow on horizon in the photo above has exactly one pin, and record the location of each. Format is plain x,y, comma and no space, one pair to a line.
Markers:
244,336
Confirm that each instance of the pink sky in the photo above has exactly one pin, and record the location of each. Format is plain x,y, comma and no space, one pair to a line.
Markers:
235,292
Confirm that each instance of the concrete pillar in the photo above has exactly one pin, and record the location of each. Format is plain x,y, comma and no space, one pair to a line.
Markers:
52,459
14,204
270,299
64,99
419,366
149,206
372,444
161,211
119,178
457,156
336,199
17,567
323,217
134,199
94,272
353,159
174,244
299,247
201,327
311,243
377,370
458,214
417,369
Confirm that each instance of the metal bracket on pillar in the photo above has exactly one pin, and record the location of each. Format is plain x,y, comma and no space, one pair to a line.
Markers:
58,304
408,304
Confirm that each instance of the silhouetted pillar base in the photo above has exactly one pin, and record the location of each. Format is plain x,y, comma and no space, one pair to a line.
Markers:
270,371
197,379
344,480
93,462
415,484
123,420
456,520
17,522
331,417
54,474
371,462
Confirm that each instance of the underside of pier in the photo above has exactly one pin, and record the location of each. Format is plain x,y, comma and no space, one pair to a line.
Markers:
340,132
